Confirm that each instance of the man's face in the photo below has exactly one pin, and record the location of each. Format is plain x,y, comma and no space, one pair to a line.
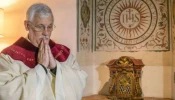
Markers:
39,28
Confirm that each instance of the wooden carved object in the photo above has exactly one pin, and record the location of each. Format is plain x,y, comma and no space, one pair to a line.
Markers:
125,73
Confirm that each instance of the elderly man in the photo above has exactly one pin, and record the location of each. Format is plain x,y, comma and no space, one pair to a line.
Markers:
35,67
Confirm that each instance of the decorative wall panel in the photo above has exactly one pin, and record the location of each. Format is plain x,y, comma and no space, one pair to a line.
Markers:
124,25
85,24
173,23
131,25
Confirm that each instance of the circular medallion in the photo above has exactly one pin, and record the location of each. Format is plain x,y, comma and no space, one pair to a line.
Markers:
130,22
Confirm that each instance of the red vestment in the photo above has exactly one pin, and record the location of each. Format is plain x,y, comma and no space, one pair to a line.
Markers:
26,52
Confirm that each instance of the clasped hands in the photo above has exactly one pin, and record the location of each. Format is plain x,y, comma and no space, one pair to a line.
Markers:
45,56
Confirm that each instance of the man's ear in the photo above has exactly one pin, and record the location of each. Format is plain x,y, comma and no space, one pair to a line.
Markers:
26,24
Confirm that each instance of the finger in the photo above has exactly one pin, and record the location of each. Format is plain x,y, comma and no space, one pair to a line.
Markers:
49,50
44,56
41,45
52,62
45,40
40,57
50,53
45,49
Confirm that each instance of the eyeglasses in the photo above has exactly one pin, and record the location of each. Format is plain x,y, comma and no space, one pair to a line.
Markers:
42,28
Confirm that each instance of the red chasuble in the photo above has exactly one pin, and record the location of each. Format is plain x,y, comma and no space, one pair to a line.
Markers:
26,52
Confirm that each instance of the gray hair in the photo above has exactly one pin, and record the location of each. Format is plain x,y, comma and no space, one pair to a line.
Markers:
39,8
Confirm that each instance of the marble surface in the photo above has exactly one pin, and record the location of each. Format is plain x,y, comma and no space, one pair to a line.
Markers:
101,97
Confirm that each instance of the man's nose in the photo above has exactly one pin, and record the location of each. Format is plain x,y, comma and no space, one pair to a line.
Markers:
45,32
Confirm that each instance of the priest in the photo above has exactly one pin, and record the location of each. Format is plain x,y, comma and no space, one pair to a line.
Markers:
37,68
